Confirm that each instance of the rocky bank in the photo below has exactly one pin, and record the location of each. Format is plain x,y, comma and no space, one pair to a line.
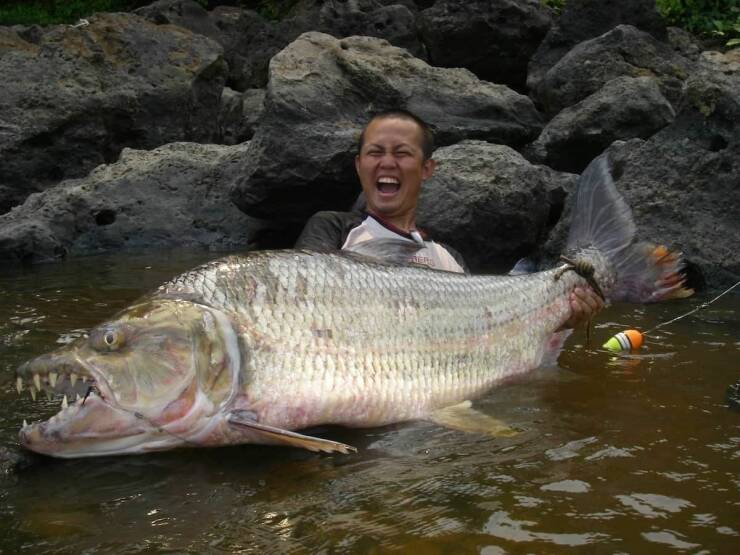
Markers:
176,125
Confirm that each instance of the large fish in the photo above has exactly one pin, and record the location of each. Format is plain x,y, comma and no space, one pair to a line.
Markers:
248,349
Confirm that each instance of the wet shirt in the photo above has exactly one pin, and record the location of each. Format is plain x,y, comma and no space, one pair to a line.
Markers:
430,254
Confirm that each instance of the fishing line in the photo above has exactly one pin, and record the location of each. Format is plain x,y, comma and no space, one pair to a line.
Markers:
629,340
698,308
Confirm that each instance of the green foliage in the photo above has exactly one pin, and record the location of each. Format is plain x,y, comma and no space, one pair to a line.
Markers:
555,5
708,18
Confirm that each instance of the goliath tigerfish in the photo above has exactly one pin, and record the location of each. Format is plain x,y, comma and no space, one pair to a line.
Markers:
248,349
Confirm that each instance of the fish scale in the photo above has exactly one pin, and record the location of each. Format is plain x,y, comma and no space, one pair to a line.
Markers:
465,334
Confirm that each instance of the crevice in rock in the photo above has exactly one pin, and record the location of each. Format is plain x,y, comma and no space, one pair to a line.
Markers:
717,143
105,217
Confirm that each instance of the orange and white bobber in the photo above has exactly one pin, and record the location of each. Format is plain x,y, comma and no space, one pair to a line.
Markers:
628,340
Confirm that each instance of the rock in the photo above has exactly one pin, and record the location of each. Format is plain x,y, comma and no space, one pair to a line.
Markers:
322,90
391,21
623,51
494,40
79,95
239,114
172,196
489,203
624,108
250,41
684,43
586,19
13,461
682,183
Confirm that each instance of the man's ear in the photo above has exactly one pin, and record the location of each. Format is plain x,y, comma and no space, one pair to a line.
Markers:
427,168
357,165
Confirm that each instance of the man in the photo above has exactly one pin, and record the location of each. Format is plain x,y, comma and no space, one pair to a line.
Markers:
394,159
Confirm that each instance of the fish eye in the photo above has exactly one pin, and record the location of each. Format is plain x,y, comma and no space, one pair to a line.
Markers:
107,340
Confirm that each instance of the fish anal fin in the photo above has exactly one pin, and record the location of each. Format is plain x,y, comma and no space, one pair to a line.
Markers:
286,437
554,347
464,418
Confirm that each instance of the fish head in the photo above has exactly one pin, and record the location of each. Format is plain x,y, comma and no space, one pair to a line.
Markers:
147,380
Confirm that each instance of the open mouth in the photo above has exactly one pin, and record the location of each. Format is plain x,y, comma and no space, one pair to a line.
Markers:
72,387
388,185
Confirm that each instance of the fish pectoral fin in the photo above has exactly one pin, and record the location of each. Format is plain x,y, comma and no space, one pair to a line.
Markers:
286,437
466,419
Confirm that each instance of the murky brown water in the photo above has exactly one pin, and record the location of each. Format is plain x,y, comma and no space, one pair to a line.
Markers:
631,455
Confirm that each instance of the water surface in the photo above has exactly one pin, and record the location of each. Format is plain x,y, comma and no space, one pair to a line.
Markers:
634,454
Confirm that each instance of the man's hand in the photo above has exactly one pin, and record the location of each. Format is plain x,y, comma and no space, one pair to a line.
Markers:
584,304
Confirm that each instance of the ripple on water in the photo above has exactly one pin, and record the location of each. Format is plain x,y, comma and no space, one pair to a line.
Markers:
569,450
652,505
669,537
568,486
502,526
611,452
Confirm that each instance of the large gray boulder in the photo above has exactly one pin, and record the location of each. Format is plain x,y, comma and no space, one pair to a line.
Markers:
624,108
74,96
172,196
250,41
625,50
586,19
493,39
490,204
391,21
323,89
682,183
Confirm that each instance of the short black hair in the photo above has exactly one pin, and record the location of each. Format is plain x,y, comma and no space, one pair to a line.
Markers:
427,135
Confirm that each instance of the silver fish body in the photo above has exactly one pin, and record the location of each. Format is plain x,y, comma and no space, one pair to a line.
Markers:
331,339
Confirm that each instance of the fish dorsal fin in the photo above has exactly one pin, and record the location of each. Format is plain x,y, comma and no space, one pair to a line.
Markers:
395,251
285,437
466,419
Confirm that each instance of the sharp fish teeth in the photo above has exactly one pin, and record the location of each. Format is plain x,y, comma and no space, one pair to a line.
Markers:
33,394
53,379
37,382
19,384
73,378
84,379
25,423
65,404
77,397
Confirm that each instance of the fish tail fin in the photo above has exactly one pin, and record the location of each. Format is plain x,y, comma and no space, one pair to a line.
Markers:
601,219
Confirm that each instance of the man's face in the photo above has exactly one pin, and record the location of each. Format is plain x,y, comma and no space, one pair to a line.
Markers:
391,168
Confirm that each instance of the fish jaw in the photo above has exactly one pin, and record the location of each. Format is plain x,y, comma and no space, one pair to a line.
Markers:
93,429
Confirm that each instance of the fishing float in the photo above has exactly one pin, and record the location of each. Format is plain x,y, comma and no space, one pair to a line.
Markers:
632,339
